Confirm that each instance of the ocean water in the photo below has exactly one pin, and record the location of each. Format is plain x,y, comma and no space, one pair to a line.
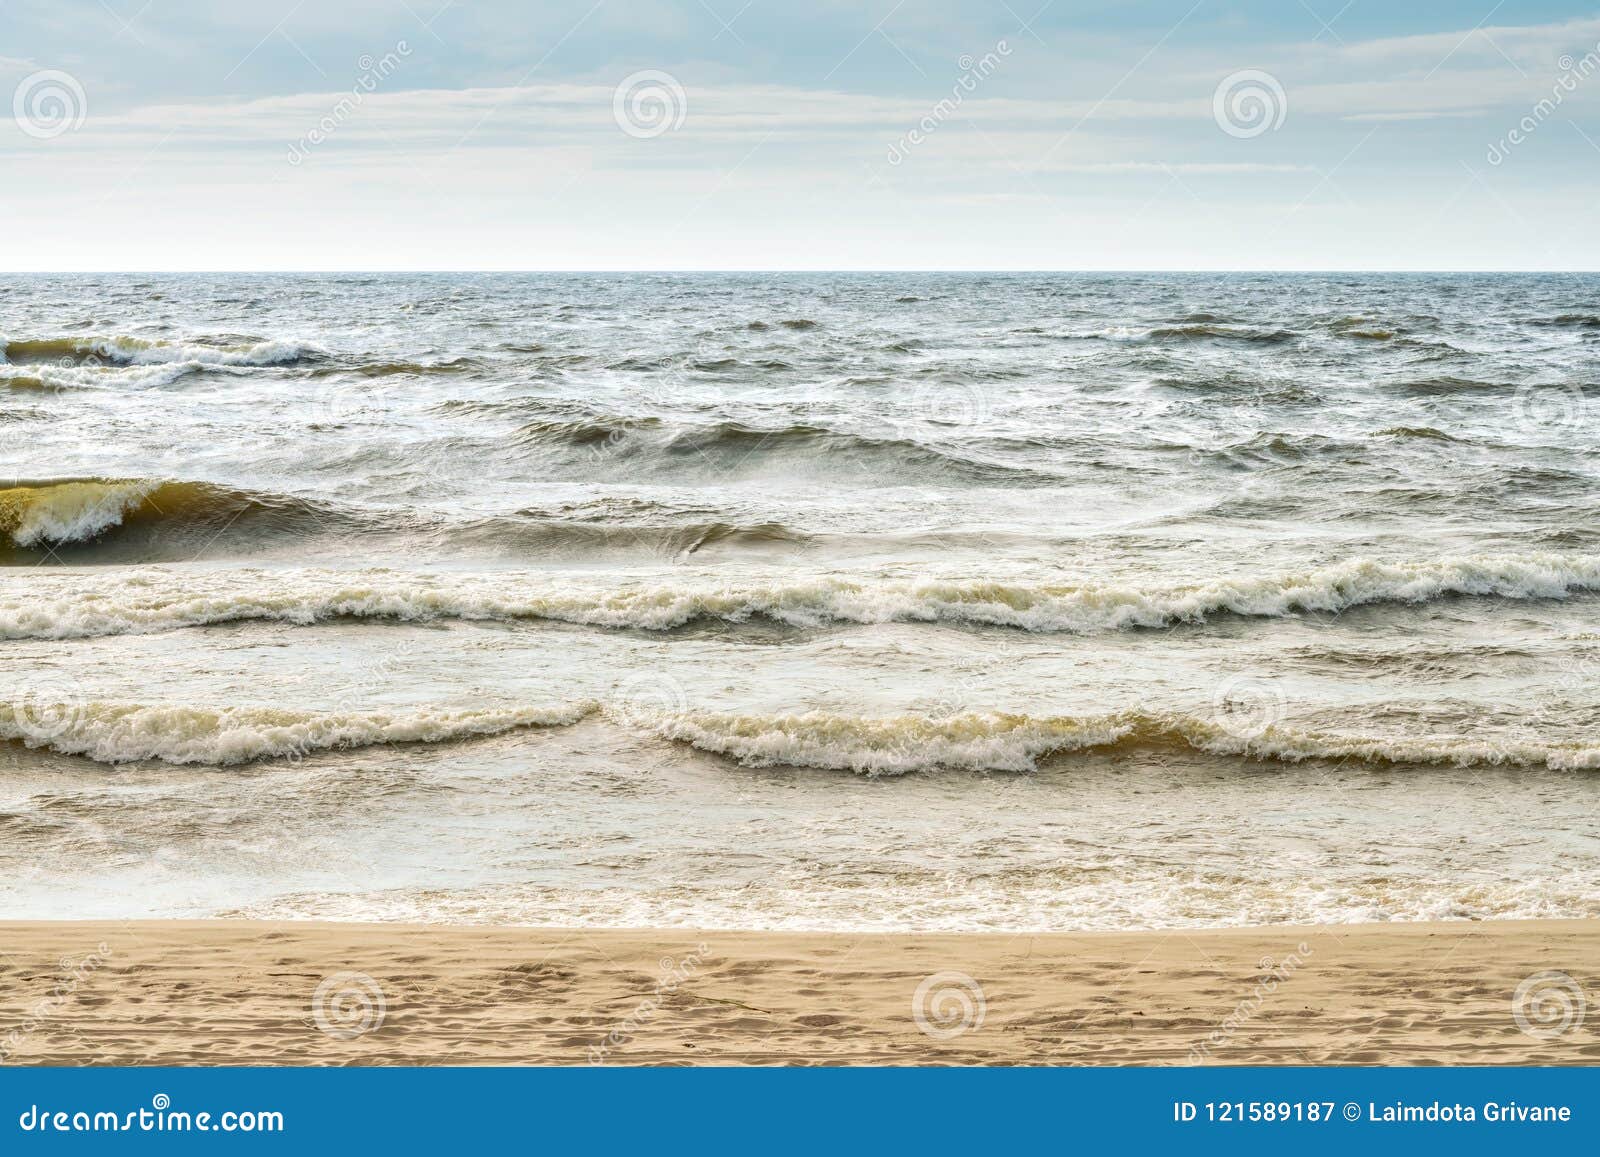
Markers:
893,601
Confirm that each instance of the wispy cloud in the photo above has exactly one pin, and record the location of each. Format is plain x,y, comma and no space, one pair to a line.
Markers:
1101,132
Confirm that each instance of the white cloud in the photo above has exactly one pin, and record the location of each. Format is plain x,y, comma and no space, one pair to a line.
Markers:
1538,44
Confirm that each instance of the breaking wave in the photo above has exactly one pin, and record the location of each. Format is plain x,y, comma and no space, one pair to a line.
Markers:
151,520
888,745
653,443
1207,331
168,602
1006,742
133,351
75,511
122,733
47,376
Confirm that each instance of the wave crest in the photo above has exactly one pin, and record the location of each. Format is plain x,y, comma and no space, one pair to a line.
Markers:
121,733
305,597
133,351
652,444
77,510
1209,331
1006,742
887,745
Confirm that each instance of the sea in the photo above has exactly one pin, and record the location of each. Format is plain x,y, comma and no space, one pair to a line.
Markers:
858,601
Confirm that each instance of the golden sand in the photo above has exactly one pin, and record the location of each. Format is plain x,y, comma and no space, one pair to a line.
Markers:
240,992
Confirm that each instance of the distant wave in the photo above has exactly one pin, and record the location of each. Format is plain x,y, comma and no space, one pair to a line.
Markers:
1274,448
132,351
534,535
1362,328
1446,385
586,431
1208,331
1570,321
1268,447
874,745
390,369
1248,388
1418,434
654,443
170,602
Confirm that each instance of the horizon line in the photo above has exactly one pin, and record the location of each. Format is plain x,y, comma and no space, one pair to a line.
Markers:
399,270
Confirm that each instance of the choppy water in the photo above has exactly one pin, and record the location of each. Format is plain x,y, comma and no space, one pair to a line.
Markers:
872,601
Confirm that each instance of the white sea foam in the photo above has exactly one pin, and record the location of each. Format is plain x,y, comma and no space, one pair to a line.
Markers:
63,378
1006,742
132,351
118,733
1060,898
166,601
68,511
875,745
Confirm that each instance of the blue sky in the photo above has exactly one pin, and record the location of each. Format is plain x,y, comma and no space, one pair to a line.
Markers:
328,134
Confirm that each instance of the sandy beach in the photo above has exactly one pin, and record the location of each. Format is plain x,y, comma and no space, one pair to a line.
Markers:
241,992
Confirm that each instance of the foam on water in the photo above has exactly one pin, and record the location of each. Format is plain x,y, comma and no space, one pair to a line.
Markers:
159,601
893,745
133,351
123,733
932,591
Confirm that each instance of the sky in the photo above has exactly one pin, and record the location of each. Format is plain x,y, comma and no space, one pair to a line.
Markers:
767,134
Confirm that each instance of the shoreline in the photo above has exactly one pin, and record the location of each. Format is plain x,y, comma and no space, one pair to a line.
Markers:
222,991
